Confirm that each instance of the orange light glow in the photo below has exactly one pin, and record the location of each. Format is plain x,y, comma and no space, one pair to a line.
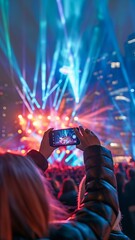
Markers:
40,131
19,131
22,121
58,151
36,123
63,125
57,118
23,151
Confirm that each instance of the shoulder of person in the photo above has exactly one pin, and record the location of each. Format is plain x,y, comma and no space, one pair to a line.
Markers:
63,229
118,235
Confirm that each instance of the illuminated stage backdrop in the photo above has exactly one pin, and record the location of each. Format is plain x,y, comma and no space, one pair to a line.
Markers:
67,62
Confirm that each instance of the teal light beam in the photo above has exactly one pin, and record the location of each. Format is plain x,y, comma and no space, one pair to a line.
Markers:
56,97
22,96
69,157
71,58
53,69
4,10
43,25
49,93
36,72
62,93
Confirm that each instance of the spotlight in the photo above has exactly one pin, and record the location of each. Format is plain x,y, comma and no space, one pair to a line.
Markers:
40,117
114,144
20,116
29,116
65,70
35,123
75,118
29,131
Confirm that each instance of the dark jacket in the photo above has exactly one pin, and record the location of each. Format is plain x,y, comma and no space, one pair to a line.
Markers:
99,209
69,199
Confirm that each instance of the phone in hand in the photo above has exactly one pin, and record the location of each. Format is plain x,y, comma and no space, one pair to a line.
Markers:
63,137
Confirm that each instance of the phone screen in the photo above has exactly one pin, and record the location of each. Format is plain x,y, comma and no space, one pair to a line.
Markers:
63,137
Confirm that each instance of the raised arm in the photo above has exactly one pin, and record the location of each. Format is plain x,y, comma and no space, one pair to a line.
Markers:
99,207
45,150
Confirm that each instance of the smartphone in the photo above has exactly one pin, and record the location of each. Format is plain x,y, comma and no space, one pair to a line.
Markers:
63,137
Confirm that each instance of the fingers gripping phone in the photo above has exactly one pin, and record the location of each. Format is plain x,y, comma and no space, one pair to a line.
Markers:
63,137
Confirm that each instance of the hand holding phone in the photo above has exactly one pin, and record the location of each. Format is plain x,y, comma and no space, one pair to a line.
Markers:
63,137
45,149
87,138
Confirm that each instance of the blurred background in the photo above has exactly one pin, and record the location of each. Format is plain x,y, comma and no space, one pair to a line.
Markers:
65,63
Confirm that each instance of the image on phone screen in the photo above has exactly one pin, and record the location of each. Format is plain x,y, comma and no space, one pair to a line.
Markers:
64,137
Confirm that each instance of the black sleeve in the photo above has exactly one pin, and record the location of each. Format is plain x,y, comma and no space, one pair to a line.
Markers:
38,159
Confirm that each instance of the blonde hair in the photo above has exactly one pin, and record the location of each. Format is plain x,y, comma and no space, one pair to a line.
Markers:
26,206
